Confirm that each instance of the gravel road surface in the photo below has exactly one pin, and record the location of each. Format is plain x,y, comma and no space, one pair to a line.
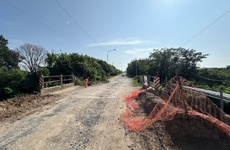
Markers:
84,118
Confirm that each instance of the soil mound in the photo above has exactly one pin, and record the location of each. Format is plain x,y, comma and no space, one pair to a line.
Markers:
180,118
182,132
17,107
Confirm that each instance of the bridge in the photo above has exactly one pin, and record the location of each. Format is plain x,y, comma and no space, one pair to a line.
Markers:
217,95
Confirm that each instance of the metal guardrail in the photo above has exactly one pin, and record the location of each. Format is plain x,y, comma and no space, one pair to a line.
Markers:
226,97
217,95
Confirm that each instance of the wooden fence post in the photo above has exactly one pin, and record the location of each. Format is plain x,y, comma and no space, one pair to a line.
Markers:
73,78
181,94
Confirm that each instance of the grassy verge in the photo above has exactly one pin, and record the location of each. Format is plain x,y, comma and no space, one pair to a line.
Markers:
136,82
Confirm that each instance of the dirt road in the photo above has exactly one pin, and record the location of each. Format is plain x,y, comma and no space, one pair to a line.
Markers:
86,118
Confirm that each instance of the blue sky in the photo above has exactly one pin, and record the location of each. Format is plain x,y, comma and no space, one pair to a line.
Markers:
132,27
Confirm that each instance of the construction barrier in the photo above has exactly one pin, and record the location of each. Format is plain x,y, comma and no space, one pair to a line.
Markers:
176,101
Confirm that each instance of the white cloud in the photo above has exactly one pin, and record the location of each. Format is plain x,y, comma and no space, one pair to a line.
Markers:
69,22
119,42
139,51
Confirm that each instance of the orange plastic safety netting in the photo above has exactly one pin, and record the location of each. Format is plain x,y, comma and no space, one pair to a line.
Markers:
177,99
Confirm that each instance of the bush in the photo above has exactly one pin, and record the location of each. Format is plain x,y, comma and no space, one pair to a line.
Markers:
79,81
10,82
30,84
43,71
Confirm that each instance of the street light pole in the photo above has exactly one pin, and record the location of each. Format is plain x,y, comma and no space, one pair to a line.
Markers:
108,54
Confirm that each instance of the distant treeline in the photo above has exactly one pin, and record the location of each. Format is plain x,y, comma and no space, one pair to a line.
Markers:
21,68
167,61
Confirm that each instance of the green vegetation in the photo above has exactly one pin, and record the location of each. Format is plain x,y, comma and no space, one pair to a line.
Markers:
136,82
80,65
213,79
167,61
79,81
8,59
32,58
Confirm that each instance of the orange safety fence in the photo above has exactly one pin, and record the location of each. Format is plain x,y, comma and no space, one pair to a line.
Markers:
130,100
176,100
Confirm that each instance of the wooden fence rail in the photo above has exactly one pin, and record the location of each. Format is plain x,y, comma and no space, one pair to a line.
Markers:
57,80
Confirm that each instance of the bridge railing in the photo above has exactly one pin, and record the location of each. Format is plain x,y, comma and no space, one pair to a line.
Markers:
56,80
154,80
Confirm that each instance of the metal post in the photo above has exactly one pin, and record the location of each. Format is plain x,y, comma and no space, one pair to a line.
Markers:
61,80
221,100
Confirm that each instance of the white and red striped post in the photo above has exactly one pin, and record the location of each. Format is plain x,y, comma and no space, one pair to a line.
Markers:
156,81
41,82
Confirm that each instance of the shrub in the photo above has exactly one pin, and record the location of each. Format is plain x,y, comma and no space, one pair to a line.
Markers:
10,82
79,81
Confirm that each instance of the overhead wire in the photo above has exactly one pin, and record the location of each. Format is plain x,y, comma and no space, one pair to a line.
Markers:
86,33
52,24
21,12
206,27
38,22
31,18
209,79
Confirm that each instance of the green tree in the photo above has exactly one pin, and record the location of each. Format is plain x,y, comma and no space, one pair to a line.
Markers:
80,65
51,59
165,62
8,59
138,67
63,64
188,60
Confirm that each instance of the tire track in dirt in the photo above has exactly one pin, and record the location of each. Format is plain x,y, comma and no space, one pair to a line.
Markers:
79,129
110,132
23,130
71,123
86,117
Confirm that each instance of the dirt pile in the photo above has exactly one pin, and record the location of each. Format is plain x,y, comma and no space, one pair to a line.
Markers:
18,107
190,124
182,132
184,119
